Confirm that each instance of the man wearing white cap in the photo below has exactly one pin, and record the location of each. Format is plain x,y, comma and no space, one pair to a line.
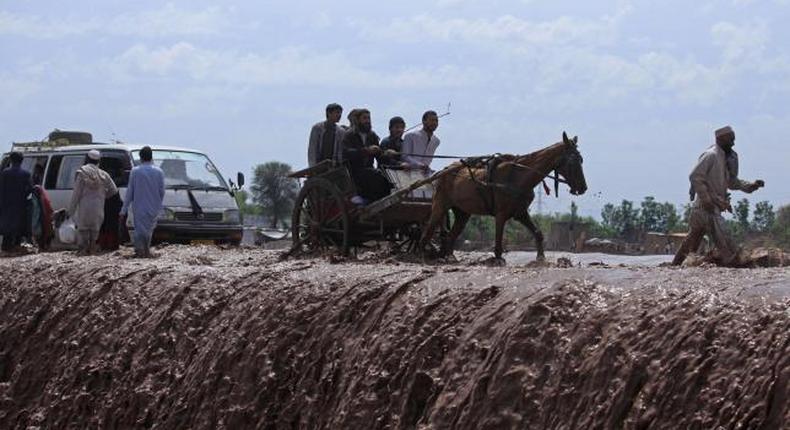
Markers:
91,188
715,173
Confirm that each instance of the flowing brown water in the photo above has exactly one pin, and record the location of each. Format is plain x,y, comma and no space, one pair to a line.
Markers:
205,338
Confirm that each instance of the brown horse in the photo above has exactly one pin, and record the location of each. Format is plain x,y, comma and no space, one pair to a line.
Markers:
504,191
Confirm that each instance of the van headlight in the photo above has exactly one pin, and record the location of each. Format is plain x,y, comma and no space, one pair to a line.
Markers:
166,215
232,216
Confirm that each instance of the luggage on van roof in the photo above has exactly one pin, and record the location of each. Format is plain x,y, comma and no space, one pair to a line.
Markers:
71,137
54,139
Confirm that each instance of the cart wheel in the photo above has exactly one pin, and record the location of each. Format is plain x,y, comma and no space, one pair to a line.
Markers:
320,218
409,237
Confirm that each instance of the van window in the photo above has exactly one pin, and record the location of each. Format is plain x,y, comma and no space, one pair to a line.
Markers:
52,172
32,163
63,170
117,165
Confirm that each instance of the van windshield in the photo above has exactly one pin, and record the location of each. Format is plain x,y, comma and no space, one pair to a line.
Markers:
188,170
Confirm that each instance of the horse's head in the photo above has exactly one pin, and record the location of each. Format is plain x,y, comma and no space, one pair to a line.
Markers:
570,165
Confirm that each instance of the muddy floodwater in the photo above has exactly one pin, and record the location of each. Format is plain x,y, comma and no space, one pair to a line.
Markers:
204,338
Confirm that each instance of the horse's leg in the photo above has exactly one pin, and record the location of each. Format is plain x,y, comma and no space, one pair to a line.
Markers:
438,212
526,220
461,218
500,231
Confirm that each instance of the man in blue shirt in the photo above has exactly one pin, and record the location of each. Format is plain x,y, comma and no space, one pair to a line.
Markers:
145,195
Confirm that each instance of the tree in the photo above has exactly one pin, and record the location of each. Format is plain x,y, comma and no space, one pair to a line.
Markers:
763,216
625,218
685,220
273,190
651,214
781,229
607,216
245,206
670,220
741,212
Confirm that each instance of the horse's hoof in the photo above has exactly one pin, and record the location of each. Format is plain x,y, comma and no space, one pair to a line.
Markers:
496,262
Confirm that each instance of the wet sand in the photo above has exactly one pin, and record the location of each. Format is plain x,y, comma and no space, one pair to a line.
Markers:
209,338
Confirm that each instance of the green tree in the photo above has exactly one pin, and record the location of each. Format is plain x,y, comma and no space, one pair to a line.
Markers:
245,204
651,214
670,220
273,191
625,218
763,217
741,212
781,229
607,216
684,221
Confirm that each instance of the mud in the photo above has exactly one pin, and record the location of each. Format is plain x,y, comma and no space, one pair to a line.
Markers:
207,338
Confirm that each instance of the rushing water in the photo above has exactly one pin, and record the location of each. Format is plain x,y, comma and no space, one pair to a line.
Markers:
205,338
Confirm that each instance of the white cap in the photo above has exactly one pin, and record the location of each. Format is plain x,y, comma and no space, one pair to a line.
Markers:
94,155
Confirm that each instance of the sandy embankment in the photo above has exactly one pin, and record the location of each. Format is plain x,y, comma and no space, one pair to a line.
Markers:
205,338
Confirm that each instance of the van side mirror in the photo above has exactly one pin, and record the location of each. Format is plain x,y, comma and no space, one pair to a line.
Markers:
240,179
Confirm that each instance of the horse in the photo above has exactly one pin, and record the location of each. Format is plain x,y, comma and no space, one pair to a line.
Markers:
503,190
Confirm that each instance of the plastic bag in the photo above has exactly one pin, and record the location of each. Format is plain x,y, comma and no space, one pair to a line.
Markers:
67,232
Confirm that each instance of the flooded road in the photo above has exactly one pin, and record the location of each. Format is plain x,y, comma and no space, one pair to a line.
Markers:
209,338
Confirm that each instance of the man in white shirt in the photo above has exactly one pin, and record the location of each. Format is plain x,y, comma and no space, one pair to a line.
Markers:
715,173
419,146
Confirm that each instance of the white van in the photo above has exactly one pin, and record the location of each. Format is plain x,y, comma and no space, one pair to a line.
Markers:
199,205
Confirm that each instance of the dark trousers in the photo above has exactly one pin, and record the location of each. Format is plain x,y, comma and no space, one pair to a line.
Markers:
371,184
10,242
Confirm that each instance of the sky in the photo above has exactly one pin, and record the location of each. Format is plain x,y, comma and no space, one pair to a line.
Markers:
643,84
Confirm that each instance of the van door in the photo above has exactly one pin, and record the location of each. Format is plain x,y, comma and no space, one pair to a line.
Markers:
36,165
60,177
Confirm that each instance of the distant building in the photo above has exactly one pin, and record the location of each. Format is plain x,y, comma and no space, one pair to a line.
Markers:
662,243
567,236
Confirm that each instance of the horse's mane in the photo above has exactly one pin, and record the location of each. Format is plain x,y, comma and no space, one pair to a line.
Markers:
541,156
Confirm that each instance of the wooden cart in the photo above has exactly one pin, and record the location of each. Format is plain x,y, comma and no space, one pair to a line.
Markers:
324,217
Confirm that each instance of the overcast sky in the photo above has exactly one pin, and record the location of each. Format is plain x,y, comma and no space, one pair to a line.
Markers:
642,83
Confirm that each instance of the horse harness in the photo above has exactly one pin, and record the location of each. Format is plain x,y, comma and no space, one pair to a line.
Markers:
486,188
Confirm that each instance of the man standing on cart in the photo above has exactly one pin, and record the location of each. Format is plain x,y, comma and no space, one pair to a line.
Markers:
326,137
360,148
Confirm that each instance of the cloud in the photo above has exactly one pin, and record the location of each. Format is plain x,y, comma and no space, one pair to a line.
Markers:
288,66
16,91
739,43
504,29
168,20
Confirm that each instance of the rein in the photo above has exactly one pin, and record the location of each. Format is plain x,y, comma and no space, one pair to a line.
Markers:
487,158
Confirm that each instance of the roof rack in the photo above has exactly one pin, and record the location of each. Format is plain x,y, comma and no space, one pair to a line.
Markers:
57,138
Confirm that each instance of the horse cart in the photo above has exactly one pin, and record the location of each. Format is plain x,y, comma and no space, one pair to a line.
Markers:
324,217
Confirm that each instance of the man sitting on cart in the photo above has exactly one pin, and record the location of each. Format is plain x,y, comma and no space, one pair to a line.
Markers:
360,148
419,146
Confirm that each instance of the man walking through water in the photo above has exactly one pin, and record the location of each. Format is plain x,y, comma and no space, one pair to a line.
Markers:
145,194
715,172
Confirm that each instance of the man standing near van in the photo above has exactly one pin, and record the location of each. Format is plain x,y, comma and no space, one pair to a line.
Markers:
92,186
15,187
145,195
326,137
